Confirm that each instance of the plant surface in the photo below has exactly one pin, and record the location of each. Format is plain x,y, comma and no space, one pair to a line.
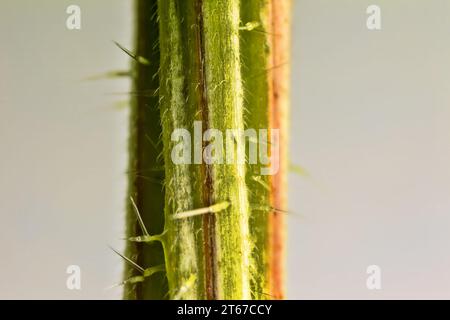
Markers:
206,230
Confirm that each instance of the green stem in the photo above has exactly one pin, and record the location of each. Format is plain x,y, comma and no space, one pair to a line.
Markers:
210,226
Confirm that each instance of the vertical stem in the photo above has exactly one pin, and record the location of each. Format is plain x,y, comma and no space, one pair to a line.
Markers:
204,65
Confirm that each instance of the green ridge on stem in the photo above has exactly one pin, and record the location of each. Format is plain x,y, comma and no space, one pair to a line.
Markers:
184,249
145,185
254,56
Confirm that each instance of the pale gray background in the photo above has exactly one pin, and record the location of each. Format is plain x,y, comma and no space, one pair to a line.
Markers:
370,123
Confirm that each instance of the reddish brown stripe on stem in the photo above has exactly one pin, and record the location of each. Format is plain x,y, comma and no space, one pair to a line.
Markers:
209,222
279,104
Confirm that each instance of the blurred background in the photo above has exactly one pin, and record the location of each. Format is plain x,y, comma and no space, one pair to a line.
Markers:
370,125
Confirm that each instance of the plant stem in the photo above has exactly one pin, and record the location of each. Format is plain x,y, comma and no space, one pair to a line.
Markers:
212,62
